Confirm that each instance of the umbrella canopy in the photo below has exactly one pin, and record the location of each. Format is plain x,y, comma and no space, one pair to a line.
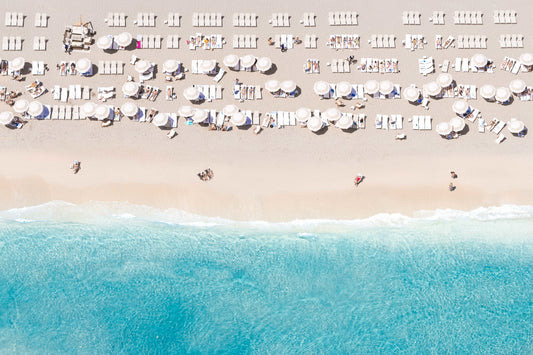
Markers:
517,86
321,87
479,60
344,88
238,118
130,88
515,126
288,85
6,117
273,85
84,65
487,91
345,122
129,109
526,59
386,87
411,93
432,88
231,60
160,120
458,124
332,114
88,109
21,106
16,64
170,65
35,108
314,124
264,64
105,42
230,110
460,107
371,87
186,111
444,80
101,112
142,66
303,114
444,128
502,94
123,39
248,61
208,66
199,115
191,93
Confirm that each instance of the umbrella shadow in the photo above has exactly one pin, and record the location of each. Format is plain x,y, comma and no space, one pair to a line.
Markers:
272,70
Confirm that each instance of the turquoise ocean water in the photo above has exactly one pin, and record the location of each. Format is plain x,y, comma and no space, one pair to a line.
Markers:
115,278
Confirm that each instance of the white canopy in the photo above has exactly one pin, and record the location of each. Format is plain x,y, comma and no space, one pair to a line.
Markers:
526,59
208,66
170,65
487,91
272,85
231,60
515,126
411,93
88,109
199,115
161,119
123,39
371,87
460,107
321,87
444,80
142,66
517,86
129,109
303,114
230,110
84,65
502,94
238,118
102,112
16,64
344,122
21,106
432,88
386,87
105,42
332,114
130,88
344,88
35,108
264,64
457,123
479,60
248,61
191,93
6,117
314,124
186,111
288,86
444,128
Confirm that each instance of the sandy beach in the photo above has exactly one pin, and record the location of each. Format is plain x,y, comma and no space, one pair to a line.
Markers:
279,174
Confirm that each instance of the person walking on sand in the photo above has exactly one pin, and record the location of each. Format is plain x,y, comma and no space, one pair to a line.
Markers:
358,179
453,174
451,187
76,166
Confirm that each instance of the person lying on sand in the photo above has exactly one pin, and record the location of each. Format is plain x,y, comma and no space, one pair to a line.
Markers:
76,166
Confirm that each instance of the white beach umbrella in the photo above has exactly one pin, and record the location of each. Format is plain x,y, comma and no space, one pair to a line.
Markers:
487,91
101,112
129,109
84,65
199,115
191,93
230,110
6,117
186,111
411,94
161,119
231,60
314,124
444,128
479,60
130,88
460,107
123,39
502,94
21,106
321,87
105,42
208,66
288,86
272,85
444,80
344,88
344,122
238,118
88,109
517,86
35,108
303,114
332,114
515,126
432,88
526,59
457,123
142,66
170,65
248,61
16,64
371,87
386,87
264,64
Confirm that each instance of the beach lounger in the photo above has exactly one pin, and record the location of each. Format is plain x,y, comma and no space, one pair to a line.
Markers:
415,122
61,114
55,112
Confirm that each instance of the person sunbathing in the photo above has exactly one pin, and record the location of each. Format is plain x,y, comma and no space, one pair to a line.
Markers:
10,102
202,175
34,84
209,173
270,41
169,92
151,114
315,66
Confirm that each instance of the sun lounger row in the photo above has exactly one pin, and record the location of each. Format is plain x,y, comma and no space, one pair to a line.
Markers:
41,20
471,41
439,44
382,41
173,41
504,16
65,112
310,41
312,66
421,122
116,19
461,64
512,41
308,19
247,92
35,89
379,65
461,17
206,19
15,19
280,20
62,94
149,92
39,43
411,18
468,92
511,65
145,19
211,92
105,93
286,40
445,65
12,43
173,19
413,42
244,41
200,40
340,66
342,18
344,41
148,41
37,67
111,67
426,65
241,19
437,18
283,118
385,122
